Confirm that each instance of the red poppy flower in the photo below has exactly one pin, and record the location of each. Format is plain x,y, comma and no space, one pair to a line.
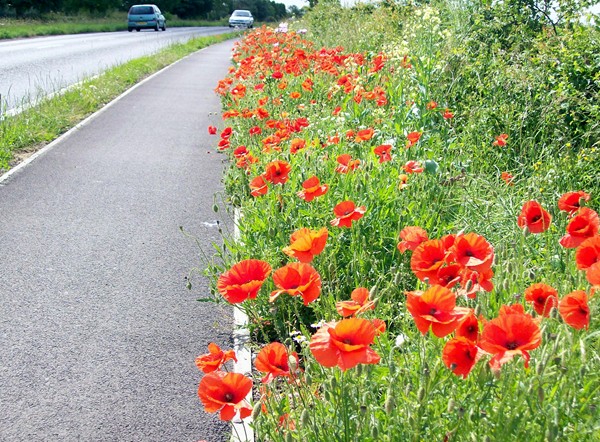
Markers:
583,225
460,355
501,140
258,186
510,334
225,392
383,152
346,163
507,178
364,135
307,85
431,105
274,360
427,258
435,309
245,161
214,359
305,244
411,237
570,202
226,133
449,276
243,280
534,217
346,212
379,325
468,327
574,309
297,278
255,130
312,189
447,115
295,95
588,253
277,172
413,166
403,178
344,344
277,75
593,274
413,138
543,297
473,252
238,91
212,130
296,144
359,302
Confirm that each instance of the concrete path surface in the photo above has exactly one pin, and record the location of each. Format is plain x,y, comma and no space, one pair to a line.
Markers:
98,333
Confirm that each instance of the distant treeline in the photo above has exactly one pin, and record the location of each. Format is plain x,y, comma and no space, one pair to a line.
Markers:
263,10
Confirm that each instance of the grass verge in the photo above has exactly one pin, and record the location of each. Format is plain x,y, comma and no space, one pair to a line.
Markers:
27,132
10,29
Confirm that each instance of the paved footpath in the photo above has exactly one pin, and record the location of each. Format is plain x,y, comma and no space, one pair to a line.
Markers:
98,333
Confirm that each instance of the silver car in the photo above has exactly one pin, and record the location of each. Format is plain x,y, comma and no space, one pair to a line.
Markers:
241,17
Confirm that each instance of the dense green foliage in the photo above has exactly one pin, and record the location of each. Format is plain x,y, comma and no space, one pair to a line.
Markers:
499,68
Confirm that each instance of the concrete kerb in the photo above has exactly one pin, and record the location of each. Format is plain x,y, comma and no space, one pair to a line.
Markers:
86,121
242,431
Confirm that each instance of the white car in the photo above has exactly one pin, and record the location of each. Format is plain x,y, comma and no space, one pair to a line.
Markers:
241,17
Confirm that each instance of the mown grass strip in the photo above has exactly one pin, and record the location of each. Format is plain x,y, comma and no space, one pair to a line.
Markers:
27,132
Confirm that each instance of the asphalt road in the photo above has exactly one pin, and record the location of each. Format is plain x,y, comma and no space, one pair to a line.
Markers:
98,333
34,67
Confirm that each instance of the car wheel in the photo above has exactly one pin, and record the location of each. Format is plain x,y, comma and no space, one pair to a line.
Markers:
130,29
164,28
137,29
157,28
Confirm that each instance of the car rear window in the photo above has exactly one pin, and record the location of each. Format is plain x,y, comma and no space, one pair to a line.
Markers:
141,10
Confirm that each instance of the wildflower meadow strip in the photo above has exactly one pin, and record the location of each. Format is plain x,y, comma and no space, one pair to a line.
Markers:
377,311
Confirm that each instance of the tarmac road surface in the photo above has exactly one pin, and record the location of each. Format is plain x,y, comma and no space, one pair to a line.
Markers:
32,68
98,333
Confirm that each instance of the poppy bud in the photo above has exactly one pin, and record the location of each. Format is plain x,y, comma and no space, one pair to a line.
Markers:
540,394
451,405
582,201
397,278
373,292
375,432
327,395
289,437
477,310
256,410
469,285
389,404
407,389
582,350
509,267
505,285
526,231
293,363
305,417
307,379
582,371
215,208
421,394
333,383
